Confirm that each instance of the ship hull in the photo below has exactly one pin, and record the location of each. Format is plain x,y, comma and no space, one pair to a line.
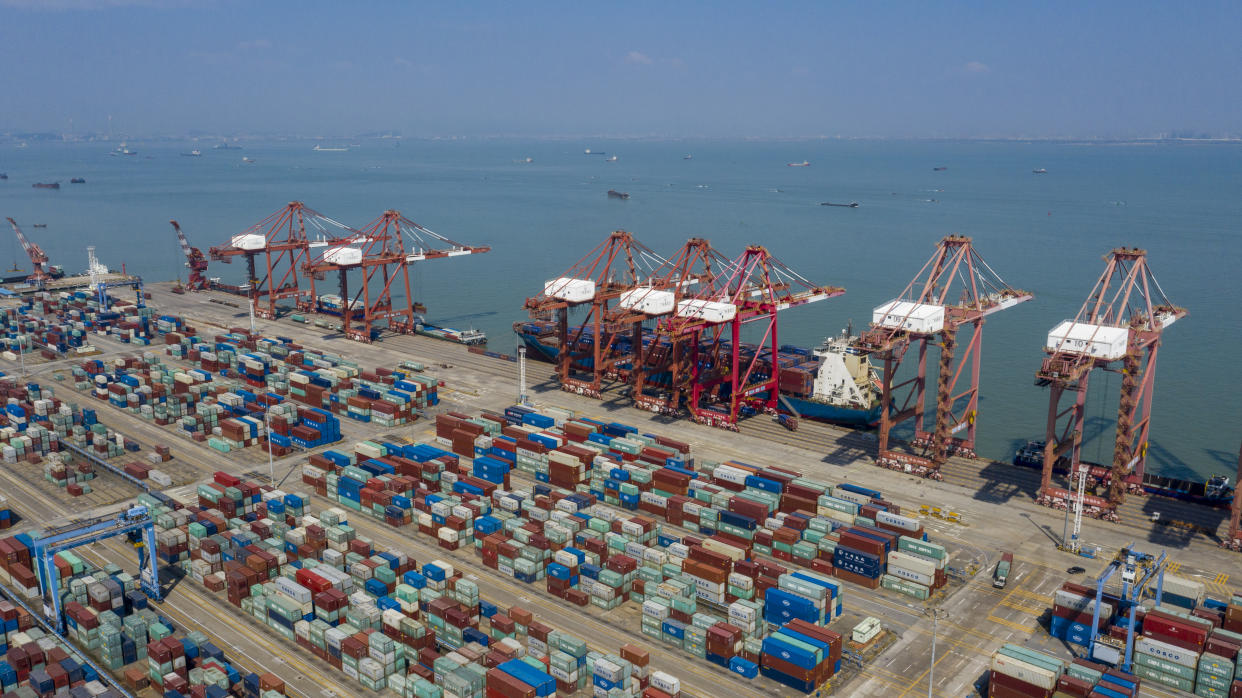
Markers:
807,409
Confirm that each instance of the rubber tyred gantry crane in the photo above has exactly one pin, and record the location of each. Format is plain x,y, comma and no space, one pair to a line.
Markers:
754,288
38,258
382,252
924,314
281,240
589,351
195,261
1120,323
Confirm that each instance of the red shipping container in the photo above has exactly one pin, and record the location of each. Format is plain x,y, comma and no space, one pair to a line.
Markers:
1004,686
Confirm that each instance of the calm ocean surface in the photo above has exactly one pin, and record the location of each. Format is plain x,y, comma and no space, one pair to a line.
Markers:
1044,233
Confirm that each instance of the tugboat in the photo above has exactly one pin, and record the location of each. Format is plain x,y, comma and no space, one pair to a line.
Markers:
78,180
4,175
939,169
39,225
614,194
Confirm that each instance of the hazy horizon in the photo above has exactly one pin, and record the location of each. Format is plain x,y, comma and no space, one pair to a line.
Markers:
685,70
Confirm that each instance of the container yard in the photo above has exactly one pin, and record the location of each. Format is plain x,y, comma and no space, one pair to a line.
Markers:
205,504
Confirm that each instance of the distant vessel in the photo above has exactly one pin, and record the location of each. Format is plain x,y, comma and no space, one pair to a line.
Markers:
852,204
248,161
123,149
3,175
611,159
40,225
47,185
193,154
687,156
225,146
939,169
614,194
321,149
78,180
1040,171
588,151
804,163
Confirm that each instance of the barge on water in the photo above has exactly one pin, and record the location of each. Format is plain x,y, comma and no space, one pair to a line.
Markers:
1217,491
832,383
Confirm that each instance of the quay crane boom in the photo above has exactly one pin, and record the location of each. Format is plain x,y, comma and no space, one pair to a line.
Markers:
38,258
195,261
1121,322
925,314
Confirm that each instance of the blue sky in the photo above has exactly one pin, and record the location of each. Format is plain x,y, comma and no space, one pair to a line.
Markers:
722,69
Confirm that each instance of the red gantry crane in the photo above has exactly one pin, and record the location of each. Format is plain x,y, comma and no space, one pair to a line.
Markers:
924,314
692,269
382,251
1233,540
1120,323
281,241
38,258
754,287
195,261
589,352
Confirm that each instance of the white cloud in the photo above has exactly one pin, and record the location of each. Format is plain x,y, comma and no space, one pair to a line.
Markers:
254,44
638,58
976,68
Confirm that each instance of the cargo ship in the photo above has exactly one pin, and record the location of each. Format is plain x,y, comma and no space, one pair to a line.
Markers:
17,276
1217,492
832,383
332,304
46,185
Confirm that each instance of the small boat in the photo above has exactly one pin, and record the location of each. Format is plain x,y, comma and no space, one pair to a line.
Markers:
47,185
687,156
588,151
852,204
611,159
78,180
248,161
614,194
3,175
939,169
321,149
804,163
1040,171
193,154
225,146
40,225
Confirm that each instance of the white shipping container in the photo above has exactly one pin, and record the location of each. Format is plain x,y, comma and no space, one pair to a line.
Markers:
1099,341
293,590
608,670
911,575
746,614
904,315
666,682
655,610
735,476
1023,671
902,522
571,290
648,300
848,496
343,255
913,563
1163,650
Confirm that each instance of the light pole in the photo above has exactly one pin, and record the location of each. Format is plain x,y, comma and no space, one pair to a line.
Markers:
267,423
936,614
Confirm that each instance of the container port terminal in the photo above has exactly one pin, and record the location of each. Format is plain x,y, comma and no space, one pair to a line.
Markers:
972,634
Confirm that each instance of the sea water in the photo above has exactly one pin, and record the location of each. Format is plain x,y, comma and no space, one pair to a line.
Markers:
1046,233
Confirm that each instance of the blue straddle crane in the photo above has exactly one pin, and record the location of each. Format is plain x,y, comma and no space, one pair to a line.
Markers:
135,523
1137,570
